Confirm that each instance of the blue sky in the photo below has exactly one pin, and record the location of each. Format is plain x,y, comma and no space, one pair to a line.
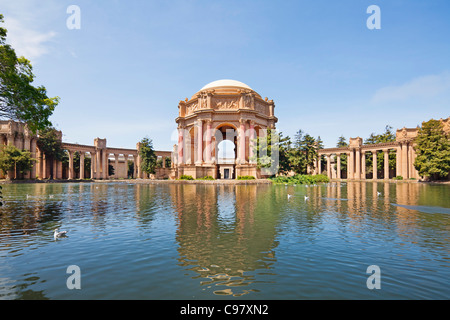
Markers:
122,74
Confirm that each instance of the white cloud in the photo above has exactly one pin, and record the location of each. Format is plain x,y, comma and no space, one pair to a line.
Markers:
429,86
26,40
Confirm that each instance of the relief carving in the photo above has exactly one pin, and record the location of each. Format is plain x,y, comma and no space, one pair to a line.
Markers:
226,103
260,108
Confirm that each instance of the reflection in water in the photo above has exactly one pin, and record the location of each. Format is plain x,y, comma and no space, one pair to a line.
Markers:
187,240
224,233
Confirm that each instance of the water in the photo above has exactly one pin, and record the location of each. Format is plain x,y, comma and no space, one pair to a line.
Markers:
172,241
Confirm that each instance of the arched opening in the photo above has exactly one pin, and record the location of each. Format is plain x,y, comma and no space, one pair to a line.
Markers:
225,150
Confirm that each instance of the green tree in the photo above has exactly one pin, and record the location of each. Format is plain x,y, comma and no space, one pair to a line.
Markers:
304,153
433,151
19,99
271,151
148,156
49,142
387,136
168,162
16,160
342,143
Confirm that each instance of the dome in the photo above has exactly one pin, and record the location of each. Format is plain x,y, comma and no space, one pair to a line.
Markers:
224,86
225,83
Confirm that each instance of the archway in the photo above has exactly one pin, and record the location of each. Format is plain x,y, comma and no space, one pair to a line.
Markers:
226,150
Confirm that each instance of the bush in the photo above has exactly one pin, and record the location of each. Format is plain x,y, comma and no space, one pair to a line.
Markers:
300,179
186,177
398,178
246,178
206,178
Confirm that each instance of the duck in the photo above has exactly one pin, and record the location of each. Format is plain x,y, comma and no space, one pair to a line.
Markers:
58,234
306,198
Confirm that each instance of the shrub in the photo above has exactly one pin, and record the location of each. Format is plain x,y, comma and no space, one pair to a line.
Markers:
186,177
300,179
398,178
206,178
246,178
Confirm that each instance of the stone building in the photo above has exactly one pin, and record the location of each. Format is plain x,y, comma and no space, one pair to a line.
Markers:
403,147
101,157
221,111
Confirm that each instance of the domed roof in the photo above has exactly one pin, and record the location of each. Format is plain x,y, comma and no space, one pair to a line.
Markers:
225,83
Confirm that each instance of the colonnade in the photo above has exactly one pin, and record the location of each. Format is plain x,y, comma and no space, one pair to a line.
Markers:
356,160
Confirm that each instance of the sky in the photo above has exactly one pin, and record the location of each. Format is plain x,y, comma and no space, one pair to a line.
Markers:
121,75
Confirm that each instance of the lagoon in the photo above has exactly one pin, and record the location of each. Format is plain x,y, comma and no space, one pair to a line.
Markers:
213,241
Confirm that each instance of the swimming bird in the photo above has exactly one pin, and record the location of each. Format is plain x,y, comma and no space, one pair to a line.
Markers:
306,198
58,233
289,196
51,196
378,193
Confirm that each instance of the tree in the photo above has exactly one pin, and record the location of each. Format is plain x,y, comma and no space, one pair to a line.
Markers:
304,153
342,143
270,151
433,150
14,159
148,156
49,142
387,136
19,99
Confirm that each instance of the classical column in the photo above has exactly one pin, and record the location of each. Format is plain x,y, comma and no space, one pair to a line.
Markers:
358,164
70,165
375,172
55,169
351,165
81,165
405,160
135,167
106,164
410,161
386,164
116,165
93,157
27,146
10,139
398,160
44,167
319,164
39,167
363,165
98,164
180,145
251,142
242,141
329,165
338,165
208,142
199,142
33,155
126,165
